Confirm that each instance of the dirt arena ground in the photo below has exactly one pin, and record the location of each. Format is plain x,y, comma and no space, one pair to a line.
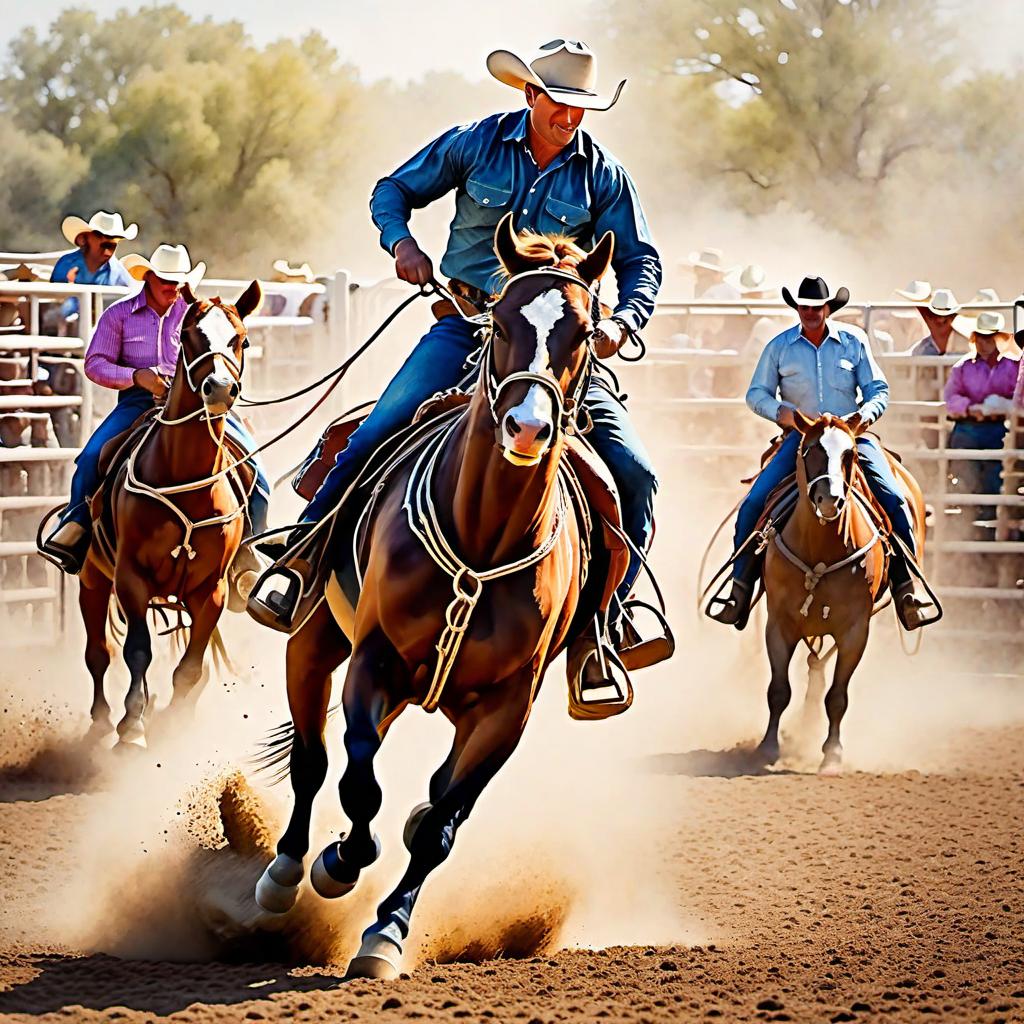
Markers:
634,870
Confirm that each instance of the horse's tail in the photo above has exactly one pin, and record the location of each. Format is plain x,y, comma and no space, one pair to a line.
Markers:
275,750
221,659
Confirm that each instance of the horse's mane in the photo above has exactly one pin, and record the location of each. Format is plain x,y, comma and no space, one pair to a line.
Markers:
558,251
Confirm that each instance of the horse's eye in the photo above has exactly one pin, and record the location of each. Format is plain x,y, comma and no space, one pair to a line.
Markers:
245,343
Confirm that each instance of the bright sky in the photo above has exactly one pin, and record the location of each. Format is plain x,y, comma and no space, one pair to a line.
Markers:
400,39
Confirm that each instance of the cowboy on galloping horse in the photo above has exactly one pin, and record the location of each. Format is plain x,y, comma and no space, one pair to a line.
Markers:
134,350
552,177
816,367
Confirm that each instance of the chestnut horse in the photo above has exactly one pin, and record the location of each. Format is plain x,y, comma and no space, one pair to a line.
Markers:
487,493
175,481
826,568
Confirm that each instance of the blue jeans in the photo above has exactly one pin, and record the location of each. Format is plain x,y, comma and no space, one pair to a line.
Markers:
880,478
436,363
977,476
131,404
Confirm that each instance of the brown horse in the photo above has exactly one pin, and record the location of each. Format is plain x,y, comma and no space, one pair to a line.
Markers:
825,570
174,482
486,494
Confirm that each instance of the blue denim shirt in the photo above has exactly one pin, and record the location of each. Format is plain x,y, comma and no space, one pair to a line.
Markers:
820,379
583,192
112,272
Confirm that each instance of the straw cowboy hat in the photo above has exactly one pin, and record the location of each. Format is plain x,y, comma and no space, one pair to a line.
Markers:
170,262
110,224
752,278
814,292
284,272
917,291
564,69
943,303
709,259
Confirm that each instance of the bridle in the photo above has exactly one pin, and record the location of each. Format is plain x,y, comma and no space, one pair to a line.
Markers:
844,501
218,350
569,406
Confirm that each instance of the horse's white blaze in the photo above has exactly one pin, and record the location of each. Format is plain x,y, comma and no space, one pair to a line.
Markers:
218,330
542,313
836,443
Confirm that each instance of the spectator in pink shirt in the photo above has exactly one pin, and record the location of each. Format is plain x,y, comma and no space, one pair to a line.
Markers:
979,395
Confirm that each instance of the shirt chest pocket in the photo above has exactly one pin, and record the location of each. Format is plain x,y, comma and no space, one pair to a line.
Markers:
566,217
485,203
841,374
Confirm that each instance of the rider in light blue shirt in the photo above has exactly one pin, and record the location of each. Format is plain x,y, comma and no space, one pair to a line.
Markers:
819,367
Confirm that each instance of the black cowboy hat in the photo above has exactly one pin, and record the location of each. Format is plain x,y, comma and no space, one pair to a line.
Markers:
814,292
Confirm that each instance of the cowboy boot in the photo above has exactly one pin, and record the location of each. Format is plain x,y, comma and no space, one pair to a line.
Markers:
913,610
735,609
68,546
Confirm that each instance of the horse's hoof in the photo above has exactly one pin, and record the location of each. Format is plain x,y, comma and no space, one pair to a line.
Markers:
377,958
331,876
133,736
419,812
278,887
831,766
766,753
100,729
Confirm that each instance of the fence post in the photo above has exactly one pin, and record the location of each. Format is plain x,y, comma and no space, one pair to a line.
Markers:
339,322
85,321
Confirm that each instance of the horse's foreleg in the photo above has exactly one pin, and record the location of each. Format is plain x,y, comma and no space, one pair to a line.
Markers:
370,701
851,650
780,653
133,596
94,604
204,609
485,738
313,654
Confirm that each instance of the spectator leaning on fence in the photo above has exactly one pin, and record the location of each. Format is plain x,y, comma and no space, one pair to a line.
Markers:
979,396
92,261
938,311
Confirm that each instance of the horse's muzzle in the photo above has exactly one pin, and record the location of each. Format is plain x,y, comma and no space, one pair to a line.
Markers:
524,442
219,394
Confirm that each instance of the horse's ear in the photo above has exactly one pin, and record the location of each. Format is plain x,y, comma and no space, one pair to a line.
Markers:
506,245
803,423
595,264
250,300
187,294
856,424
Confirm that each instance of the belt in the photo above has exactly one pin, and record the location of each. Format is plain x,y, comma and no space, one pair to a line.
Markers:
968,420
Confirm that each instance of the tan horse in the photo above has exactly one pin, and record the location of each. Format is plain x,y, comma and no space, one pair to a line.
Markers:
173,478
489,495
825,570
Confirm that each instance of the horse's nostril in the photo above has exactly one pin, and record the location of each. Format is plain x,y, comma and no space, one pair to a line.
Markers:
207,386
544,433
511,426
234,390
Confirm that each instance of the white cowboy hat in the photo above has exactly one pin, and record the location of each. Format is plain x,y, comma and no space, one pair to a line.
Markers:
709,259
752,278
170,262
286,272
917,291
943,303
110,224
564,69
984,295
989,322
